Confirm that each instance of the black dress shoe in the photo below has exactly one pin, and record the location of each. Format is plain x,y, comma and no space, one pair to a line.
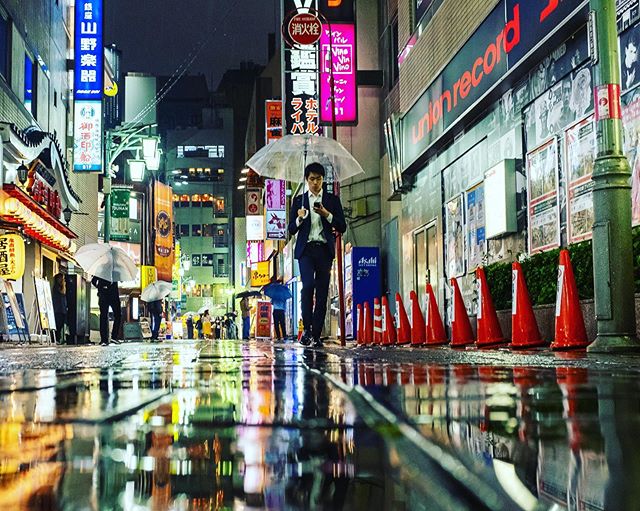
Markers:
317,343
306,339
104,344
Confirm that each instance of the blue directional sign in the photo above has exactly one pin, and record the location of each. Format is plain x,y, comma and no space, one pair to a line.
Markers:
89,50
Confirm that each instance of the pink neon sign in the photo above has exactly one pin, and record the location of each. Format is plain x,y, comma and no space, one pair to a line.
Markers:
343,44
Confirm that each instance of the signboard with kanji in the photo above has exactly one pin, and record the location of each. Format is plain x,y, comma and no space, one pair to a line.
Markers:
273,120
11,257
260,274
304,29
253,201
87,136
88,74
300,83
263,320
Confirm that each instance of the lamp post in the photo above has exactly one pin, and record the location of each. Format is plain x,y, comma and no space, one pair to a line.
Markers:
137,139
612,248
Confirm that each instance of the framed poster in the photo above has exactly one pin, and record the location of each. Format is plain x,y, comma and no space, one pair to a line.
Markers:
45,304
475,226
631,130
580,155
454,253
542,184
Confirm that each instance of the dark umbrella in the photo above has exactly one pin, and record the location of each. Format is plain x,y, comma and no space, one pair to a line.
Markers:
247,294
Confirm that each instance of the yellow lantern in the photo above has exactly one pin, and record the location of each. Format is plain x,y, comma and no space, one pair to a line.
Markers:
11,256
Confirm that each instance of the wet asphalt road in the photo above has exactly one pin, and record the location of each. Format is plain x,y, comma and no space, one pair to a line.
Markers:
227,425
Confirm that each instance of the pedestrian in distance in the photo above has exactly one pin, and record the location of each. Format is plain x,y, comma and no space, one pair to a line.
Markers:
246,318
155,309
279,295
316,216
60,306
206,324
108,297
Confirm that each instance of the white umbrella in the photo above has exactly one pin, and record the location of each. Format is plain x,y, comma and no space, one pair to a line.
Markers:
204,308
156,291
107,262
287,157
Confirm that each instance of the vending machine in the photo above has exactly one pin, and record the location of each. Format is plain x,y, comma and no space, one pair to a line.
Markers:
362,274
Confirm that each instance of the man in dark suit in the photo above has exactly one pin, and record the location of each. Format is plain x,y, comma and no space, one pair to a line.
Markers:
315,216
108,296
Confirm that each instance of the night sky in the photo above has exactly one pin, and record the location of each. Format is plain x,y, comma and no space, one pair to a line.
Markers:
156,36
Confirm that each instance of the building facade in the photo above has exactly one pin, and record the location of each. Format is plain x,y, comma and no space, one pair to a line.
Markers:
491,134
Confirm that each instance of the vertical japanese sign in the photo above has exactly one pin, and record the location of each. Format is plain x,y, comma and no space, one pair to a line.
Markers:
88,80
276,199
338,48
253,201
273,120
120,214
12,256
300,83
163,214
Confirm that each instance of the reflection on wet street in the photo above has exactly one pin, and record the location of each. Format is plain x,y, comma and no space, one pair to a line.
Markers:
238,426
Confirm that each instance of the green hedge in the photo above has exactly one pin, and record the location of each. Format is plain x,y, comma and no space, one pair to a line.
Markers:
541,272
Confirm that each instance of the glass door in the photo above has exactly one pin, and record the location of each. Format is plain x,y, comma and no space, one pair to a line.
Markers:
425,270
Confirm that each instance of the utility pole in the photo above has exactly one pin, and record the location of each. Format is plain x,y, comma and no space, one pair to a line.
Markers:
612,243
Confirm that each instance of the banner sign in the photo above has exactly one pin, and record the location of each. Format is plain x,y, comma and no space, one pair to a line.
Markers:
338,10
300,83
12,256
276,215
263,320
120,214
343,57
273,120
276,194
87,136
88,73
253,201
508,33
148,275
255,228
276,225
260,274
163,223
255,251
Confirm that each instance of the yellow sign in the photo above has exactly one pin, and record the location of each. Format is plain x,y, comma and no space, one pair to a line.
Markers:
260,274
11,256
111,90
148,274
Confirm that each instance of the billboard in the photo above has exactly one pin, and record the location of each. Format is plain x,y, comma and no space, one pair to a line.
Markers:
163,223
273,120
88,68
87,136
338,50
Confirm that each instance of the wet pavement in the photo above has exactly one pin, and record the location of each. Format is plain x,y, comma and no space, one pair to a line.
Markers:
231,425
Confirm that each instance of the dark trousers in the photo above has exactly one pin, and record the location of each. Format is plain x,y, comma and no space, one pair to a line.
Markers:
246,327
315,271
278,324
61,321
156,319
104,303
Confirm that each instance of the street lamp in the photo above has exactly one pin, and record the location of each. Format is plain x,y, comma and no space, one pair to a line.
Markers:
136,170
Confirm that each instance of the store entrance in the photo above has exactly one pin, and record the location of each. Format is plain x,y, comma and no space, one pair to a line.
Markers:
425,259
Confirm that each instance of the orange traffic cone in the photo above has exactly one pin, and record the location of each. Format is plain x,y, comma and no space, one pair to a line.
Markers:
524,328
461,332
367,325
418,328
570,330
434,327
404,327
377,322
388,324
359,321
489,331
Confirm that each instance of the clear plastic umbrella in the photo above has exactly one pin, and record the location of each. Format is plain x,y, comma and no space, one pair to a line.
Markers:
107,262
156,291
287,157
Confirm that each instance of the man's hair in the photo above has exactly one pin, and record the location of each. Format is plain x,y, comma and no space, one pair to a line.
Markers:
314,167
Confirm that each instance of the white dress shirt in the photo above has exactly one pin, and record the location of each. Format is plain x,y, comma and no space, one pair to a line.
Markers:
315,234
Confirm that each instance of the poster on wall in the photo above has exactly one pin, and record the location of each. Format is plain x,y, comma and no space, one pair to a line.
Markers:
45,304
476,239
543,210
580,154
631,130
455,237
630,58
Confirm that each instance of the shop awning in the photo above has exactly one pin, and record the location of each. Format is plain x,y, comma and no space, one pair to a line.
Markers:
37,222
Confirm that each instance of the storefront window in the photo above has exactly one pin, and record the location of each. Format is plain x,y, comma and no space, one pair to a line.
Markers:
4,46
196,230
220,238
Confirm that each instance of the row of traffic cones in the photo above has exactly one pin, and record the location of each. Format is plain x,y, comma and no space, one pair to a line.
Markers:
428,330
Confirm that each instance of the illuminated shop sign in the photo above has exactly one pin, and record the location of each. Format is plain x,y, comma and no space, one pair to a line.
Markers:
88,50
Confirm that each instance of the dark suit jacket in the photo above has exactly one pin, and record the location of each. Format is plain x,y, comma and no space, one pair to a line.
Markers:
332,205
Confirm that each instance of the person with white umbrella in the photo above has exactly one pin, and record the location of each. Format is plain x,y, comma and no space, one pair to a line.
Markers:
315,217
108,265
153,294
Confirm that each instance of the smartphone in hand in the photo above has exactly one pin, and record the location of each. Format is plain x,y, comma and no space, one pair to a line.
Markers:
317,205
